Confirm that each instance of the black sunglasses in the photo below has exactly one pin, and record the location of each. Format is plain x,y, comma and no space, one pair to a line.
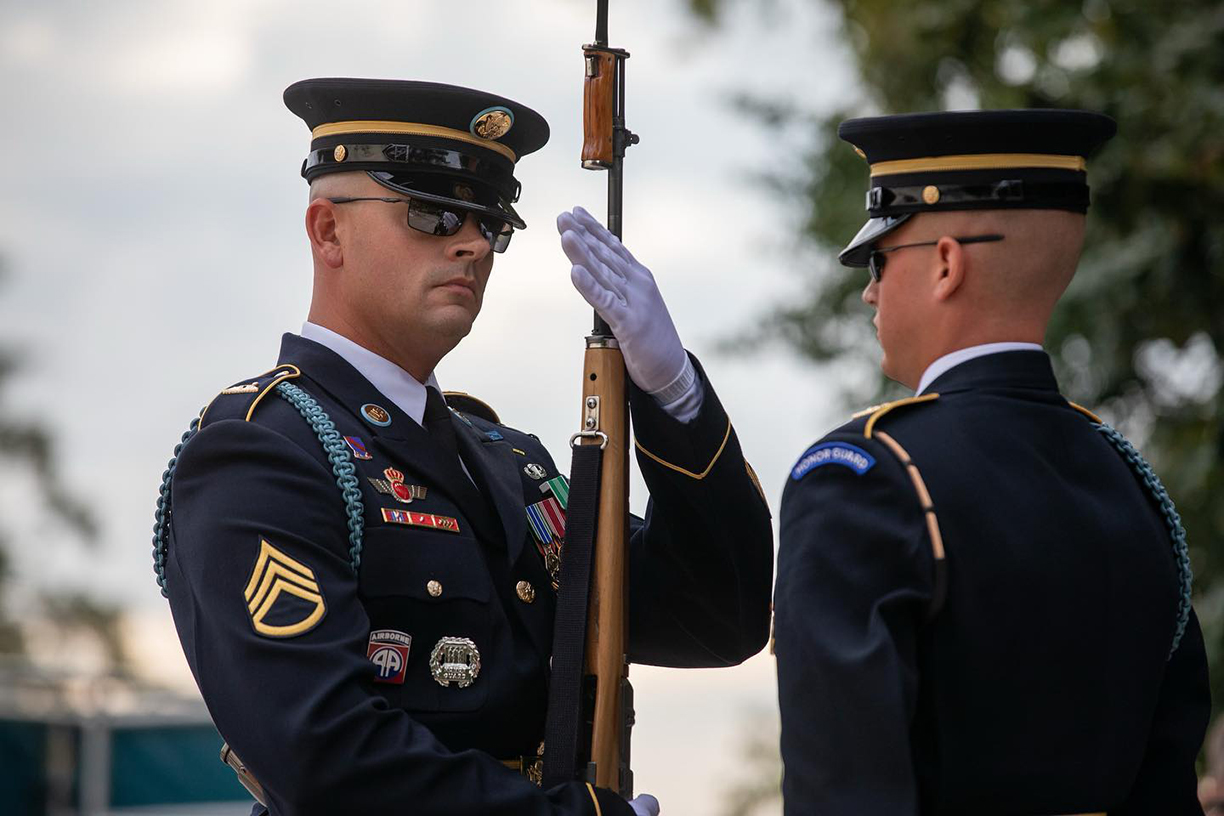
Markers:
432,218
875,261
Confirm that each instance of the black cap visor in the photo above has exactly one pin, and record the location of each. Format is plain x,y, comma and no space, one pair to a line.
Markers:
462,193
858,250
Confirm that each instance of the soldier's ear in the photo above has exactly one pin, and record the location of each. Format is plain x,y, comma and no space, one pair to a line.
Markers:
949,271
324,237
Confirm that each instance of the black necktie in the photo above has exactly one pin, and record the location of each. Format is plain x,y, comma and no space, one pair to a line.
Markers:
437,421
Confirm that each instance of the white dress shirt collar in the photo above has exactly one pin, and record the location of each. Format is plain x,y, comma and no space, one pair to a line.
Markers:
392,382
955,358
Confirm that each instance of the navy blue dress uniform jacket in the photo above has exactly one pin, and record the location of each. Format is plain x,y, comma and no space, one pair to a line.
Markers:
289,685
1040,685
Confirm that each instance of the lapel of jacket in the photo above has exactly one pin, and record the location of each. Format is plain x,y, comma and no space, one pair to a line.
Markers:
345,385
494,467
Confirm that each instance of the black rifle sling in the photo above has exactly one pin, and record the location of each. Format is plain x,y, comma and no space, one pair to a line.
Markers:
563,726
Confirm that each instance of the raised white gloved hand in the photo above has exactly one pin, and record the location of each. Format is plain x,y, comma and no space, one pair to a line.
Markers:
627,298
644,805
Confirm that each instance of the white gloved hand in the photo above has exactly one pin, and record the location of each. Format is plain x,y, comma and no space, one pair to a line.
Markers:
626,297
645,805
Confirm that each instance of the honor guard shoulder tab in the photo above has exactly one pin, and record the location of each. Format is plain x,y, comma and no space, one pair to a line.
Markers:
240,400
465,403
876,412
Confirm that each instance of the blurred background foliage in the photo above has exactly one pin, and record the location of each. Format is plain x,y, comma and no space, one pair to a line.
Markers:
50,616
1138,335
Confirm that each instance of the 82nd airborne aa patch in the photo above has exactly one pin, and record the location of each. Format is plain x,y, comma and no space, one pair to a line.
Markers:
388,651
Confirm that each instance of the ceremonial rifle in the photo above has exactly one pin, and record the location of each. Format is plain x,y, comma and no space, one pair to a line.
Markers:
591,702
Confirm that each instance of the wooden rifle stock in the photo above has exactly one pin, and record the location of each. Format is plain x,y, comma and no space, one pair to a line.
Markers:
605,409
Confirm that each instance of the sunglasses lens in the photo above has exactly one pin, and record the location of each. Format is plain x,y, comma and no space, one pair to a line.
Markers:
497,232
434,219
875,265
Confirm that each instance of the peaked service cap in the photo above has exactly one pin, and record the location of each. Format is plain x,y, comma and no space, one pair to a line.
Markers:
426,140
971,160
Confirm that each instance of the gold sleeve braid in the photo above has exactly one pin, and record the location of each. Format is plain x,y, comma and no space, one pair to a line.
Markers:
689,473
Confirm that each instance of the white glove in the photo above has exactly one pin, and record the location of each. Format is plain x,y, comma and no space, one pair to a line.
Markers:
645,805
627,298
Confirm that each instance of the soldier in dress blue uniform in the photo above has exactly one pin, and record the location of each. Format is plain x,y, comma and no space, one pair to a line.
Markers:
364,577
983,597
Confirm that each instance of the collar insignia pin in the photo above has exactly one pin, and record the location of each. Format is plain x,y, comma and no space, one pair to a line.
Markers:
375,415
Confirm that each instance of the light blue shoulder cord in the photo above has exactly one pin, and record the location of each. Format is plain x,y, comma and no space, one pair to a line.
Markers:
337,453
1172,520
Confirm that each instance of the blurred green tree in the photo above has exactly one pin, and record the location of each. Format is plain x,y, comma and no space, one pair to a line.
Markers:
1138,335
26,447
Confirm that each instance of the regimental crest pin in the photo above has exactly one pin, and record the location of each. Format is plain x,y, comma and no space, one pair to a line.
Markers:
388,651
357,447
492,123
535,471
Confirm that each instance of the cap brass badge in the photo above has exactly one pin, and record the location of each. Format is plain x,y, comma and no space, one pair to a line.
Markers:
492,123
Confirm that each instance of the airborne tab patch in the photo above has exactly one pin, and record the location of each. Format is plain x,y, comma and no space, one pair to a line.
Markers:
283,599
833,453
388,651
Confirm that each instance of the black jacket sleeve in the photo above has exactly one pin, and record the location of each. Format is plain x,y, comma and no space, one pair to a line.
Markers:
701,562
302,691
1166,781
855,577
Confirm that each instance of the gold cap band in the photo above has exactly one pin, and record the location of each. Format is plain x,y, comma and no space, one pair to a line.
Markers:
983,161
409,129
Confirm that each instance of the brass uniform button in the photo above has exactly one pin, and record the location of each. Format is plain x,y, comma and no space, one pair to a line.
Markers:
930,194
434,589
526,591
340,153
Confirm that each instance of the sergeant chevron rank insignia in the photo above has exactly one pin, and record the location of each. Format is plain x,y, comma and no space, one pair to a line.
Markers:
283,599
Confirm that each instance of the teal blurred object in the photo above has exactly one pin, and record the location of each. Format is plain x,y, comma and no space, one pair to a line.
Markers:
115,765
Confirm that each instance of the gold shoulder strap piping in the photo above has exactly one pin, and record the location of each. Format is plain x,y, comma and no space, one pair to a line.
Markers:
689,473
1086,413
285,372
889,406
243,389
924,497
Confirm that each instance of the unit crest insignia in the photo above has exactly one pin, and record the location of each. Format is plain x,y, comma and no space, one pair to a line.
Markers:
274,579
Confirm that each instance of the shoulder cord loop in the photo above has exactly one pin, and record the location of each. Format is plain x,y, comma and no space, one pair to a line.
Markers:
341,460
1172,520
337,453
162,514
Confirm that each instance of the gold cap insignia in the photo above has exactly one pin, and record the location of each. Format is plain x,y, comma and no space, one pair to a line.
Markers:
492,123
464,193
930,194
276,575
340,153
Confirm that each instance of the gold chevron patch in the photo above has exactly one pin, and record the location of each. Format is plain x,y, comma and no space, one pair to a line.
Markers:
277,574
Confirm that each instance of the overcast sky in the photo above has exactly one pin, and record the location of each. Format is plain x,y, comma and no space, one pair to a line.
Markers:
151,215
